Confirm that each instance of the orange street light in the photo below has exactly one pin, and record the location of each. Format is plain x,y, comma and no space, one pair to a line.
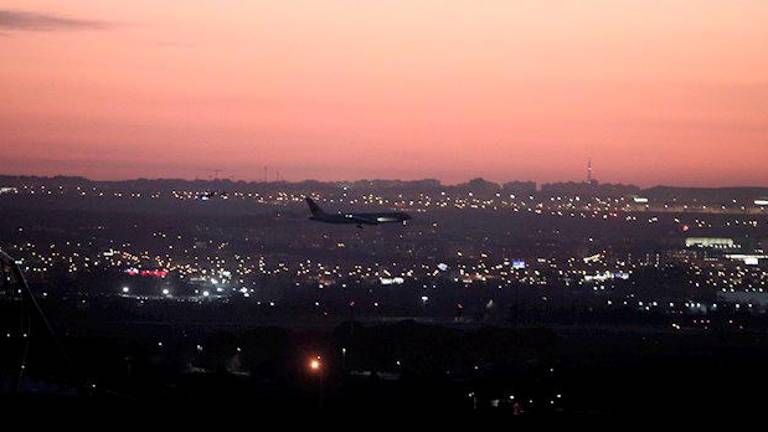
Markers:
314,364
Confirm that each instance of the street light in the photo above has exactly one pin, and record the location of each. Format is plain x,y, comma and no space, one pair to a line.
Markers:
315,365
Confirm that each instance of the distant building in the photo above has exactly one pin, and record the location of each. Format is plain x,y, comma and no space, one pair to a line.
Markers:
519,188
748,259
588,189
478,187
710,242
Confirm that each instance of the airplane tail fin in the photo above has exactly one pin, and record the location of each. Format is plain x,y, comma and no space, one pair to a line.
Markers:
313,207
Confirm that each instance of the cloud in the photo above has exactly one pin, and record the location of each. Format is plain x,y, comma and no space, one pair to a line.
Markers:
33,21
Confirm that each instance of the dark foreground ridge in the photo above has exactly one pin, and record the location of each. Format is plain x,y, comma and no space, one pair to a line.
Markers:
404,366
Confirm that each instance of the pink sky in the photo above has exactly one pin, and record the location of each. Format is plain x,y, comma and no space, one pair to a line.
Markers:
671,92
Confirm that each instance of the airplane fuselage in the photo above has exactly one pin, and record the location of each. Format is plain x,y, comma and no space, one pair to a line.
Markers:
358,219
361,218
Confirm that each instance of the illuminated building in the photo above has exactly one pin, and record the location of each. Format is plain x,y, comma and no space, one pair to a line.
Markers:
710,242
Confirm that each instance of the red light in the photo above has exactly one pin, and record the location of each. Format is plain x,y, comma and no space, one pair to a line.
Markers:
154,273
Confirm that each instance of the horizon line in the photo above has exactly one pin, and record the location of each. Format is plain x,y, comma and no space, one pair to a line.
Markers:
374,179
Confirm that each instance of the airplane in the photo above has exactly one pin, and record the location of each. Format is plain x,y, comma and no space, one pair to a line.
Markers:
358,219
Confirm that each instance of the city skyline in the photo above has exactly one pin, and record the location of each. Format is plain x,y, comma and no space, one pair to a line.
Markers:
275,175
665,94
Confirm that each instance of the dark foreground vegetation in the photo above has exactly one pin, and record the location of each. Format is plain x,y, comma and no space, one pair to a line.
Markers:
397,367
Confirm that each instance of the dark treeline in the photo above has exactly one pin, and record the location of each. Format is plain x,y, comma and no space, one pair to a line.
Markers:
478,186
